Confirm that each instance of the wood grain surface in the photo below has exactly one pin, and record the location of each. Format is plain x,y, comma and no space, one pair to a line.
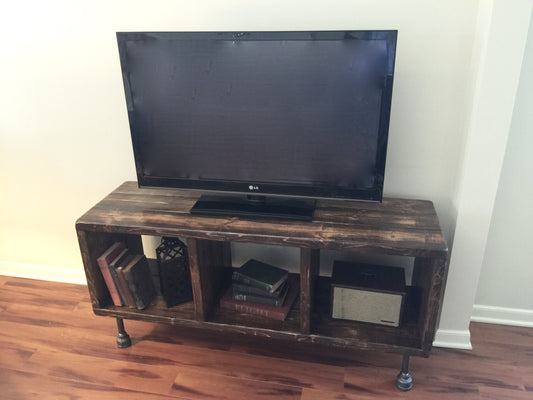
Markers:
395,226
53,347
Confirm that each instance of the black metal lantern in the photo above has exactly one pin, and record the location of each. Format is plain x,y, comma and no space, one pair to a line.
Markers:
174,272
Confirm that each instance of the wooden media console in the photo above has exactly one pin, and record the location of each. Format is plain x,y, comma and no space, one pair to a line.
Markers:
395,227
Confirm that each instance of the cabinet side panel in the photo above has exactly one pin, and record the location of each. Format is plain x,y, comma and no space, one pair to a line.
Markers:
209,262
194,265
92,246
309,267
430,277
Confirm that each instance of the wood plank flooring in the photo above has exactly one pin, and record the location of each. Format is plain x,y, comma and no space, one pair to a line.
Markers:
53,347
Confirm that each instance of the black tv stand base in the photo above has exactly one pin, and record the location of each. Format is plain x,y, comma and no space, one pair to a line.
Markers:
255,206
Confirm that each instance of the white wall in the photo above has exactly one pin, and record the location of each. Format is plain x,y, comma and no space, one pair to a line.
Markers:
504,291
64,138
503,29
64,131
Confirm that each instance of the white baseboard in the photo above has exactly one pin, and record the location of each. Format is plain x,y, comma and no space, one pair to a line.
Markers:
453,339
43,272
502,315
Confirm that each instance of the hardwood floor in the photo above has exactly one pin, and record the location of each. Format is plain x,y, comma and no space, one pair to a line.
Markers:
53,347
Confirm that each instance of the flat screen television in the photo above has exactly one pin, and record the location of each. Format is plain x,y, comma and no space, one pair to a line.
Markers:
263,122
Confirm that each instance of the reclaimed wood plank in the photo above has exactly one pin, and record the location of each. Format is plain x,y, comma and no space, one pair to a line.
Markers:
429,277
396,226
309,269
208,261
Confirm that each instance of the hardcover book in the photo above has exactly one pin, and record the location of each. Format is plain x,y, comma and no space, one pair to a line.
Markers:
112,270
139,278
103,263
247,289
277,313
258,274
116,268
261,299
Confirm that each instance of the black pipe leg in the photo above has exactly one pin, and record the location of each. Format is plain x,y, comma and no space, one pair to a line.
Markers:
403,380
123,339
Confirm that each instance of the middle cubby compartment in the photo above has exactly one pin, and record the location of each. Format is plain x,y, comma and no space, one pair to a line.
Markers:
211,271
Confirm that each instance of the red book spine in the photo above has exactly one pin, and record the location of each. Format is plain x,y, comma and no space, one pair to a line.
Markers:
277,313
103,263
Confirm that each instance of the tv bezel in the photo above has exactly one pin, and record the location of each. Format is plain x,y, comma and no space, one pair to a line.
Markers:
373,194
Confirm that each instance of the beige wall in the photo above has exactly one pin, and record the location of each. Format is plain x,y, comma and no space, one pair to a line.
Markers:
504,291
64,131
500,43
64,138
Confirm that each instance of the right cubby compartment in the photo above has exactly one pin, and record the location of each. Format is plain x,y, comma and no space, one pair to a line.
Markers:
421,307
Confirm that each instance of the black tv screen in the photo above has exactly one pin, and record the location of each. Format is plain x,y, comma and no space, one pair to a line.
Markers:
280,113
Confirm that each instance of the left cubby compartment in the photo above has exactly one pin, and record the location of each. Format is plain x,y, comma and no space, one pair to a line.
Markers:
92,245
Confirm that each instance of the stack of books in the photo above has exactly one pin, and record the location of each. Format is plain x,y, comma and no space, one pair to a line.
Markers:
261,289
127,276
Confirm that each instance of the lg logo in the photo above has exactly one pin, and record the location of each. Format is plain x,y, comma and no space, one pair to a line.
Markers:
252,187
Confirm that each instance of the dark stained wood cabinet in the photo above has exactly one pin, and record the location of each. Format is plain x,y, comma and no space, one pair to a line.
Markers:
396,226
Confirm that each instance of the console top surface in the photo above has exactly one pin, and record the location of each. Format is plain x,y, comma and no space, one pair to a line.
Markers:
395,226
